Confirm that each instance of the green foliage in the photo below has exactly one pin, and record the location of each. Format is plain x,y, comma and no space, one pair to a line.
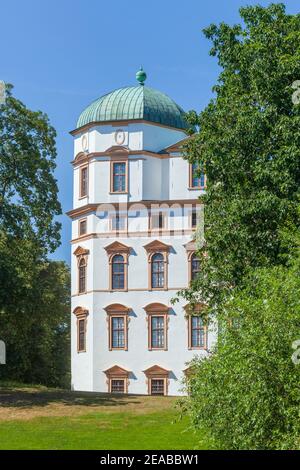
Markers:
35,326
248,391
248,144
28,190
34,292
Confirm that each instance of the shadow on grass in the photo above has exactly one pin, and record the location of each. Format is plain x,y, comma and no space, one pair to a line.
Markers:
30,399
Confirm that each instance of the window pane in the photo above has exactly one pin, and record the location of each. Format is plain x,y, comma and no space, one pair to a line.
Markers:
157,271
194,218
157,332
81,335
119,177
198,332
82,278
198,179
118,332
83,182
157,387
195,266
82,227
157,220
118,386
118,269
118,222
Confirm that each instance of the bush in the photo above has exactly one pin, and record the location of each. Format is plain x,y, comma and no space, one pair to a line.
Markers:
247,393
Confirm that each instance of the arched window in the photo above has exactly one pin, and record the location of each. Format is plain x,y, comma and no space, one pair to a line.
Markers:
118,271
157,271
195,266
82,276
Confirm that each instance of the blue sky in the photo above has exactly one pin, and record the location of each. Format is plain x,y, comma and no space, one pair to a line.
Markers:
61,55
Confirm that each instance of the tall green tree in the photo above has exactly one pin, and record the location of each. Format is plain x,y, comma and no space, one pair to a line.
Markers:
28,189
34,292
35,325
248,144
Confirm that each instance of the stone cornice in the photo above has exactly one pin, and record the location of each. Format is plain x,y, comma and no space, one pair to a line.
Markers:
78,211
122,123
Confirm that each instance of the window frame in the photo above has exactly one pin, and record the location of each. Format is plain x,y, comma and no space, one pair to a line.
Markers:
81,255
118,379
82,266
191,178
117,311
157,310
124,316
123,274
158,272
163,386
152,248
193,258
161,216
158,329
83,194
117,248
119,216
114,162
157,373
81,221
189,315
81,318
117,373
196,209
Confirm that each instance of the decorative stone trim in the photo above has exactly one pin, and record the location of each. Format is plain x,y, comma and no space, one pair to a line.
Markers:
117,373
155,373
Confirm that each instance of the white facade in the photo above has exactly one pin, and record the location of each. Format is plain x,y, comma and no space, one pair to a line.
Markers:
155,175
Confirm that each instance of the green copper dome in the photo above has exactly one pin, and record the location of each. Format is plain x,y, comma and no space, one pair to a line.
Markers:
139,102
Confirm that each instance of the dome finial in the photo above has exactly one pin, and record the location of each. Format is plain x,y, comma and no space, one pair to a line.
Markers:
141,76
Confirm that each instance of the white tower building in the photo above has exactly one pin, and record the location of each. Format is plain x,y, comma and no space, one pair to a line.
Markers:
133,225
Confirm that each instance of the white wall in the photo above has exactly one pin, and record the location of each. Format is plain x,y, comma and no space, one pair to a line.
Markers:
150,178
88,367
138,136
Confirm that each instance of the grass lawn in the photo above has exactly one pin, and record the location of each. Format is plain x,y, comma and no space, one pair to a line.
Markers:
34,417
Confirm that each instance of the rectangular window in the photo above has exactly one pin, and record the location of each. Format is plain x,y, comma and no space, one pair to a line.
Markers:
197,178
82,276
118,272
81,335
197,333
118,222
194,218
117,386
119,177
157,387
118,332
157,271
157,221
83,181
157,332
82,227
